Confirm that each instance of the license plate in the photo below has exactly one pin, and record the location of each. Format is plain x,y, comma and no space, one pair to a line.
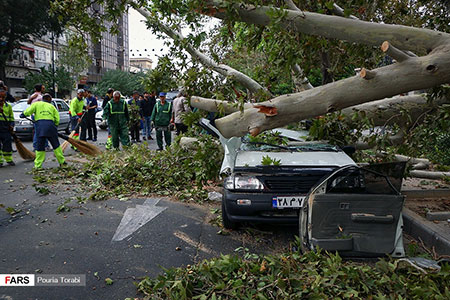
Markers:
287,201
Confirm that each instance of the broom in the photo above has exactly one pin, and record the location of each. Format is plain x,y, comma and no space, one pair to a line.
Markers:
66,143
23,151
83,146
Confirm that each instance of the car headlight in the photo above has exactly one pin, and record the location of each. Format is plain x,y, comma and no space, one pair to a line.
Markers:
243,183
25,122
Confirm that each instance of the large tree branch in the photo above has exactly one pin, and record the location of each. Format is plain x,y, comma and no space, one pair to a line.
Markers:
222,69
414,74
418,40
394,110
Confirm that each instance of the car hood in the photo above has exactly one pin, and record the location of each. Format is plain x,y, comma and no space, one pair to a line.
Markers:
313,158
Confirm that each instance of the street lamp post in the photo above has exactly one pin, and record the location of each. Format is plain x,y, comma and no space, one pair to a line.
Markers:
53,65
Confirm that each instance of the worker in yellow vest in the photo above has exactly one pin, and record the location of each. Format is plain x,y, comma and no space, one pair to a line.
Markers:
46,117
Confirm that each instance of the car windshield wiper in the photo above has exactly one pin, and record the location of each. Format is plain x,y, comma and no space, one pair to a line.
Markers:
318,148
272,145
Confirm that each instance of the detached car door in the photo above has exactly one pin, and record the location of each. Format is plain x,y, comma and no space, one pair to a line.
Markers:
356,211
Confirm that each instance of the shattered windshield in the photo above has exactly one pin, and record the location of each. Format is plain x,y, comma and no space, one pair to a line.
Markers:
248,144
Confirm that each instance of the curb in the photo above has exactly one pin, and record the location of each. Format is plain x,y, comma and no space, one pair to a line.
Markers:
431,234
421,194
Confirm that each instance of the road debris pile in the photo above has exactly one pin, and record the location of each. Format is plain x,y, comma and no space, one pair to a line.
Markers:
139,171
314,275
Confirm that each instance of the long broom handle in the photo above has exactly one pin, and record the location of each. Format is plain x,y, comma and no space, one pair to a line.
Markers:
78,124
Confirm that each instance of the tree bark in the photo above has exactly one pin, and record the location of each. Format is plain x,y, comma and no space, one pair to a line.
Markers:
301,82
414,74
222,69
417,40
392,110
213,105
429,174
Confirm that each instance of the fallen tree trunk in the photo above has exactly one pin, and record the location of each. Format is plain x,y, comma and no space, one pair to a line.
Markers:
213,105
412,74
418,40
392,110
429,174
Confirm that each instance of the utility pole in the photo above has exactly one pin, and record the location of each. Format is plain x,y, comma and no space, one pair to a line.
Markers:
53,65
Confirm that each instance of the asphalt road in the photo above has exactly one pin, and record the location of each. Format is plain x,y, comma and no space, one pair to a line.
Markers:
37,240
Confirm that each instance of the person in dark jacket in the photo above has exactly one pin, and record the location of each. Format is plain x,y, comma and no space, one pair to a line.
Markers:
146,110
135,117
108,97
92,109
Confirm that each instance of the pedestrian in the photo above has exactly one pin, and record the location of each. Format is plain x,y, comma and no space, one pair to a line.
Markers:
9,97
135,117
76,111
162,117
91,111
180,107
47,120
6,126
116,113
39,90
147,105
106,99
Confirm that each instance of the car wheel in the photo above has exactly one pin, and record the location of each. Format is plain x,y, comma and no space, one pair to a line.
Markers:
227,223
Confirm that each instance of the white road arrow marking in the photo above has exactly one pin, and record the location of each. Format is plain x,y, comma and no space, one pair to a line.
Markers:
135,218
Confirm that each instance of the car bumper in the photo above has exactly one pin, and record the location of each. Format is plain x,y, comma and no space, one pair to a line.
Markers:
24,131
260,210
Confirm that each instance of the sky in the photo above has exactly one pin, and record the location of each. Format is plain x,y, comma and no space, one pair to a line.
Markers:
141,39
143,42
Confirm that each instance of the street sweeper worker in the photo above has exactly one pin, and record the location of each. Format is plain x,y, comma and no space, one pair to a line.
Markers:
76,110
116,113
47,120
6,126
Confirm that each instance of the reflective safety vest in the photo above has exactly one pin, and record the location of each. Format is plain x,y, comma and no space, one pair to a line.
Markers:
43,111
164,111
116,112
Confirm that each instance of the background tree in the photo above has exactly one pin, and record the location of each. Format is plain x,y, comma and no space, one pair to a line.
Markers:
74,60
20,21
62,78
123,81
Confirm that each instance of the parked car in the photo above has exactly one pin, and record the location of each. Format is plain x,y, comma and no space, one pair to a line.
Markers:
24,127
171,95
356,211
258,192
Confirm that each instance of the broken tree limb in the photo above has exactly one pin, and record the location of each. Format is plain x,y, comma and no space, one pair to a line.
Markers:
213,105
392,110
390,80
418,40
300,80
393,52
222,69
367,74
338,11
429,174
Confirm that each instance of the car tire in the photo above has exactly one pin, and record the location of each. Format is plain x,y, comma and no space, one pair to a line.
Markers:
226,222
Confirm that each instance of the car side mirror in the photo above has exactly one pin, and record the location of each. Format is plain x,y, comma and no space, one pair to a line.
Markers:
349,150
